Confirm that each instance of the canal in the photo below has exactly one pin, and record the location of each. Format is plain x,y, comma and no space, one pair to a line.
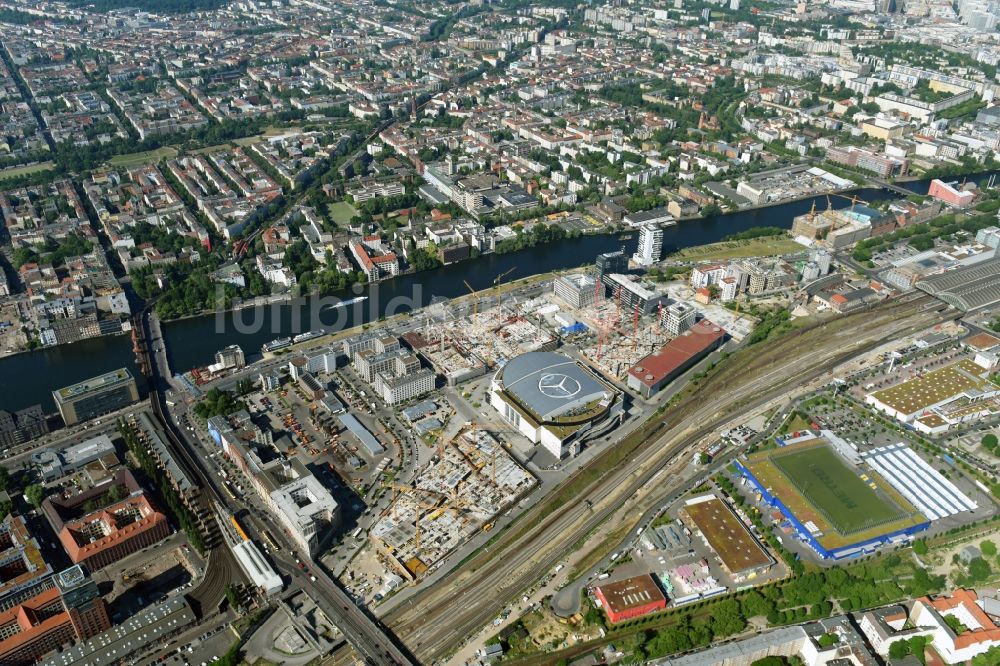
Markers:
27,379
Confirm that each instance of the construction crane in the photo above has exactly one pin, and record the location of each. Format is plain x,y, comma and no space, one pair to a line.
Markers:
853,199
475,295
496,281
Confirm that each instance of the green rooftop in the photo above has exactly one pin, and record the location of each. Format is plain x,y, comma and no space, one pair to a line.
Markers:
93,384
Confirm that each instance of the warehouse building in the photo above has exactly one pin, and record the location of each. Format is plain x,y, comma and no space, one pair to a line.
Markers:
554,401
939,399
630,598
96,396
655,371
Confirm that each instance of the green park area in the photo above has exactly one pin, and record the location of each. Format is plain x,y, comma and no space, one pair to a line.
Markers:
133,160
341,213
738,249
25,170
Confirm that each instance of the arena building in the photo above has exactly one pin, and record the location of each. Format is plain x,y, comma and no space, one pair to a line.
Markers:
555,401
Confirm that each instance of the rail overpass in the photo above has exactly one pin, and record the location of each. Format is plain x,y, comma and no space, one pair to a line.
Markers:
368,637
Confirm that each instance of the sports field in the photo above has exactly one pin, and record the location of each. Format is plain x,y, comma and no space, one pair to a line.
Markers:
828,496
341,212
848,502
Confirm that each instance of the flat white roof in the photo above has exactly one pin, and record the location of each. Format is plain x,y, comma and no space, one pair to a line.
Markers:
935,496
302,500
256,567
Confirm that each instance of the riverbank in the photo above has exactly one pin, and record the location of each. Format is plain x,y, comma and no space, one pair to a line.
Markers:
765,246
192,342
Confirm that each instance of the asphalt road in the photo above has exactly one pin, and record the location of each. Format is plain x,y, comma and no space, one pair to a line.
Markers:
364,633
432,624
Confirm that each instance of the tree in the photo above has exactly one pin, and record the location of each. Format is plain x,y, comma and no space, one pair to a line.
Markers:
988,548
989,440
920,547
232,596
4,479
35,494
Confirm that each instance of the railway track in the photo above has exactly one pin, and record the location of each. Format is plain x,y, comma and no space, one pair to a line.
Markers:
437,620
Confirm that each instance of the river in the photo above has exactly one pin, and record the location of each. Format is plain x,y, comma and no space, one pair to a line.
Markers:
27,379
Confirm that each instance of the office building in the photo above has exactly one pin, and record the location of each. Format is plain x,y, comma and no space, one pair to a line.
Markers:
395,390
111,521
53,464
677,318
577,291
308,512
22,426
230,357
96,396
823,260
611,262
71,610
154,625
650,245
634,294
990,236
374,339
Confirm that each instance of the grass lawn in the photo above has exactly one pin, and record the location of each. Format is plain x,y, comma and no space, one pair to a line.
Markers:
756,247
139,159
828,484
14,172
797,423
341,212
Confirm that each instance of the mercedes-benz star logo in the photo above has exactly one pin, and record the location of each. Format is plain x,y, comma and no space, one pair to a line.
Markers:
558,385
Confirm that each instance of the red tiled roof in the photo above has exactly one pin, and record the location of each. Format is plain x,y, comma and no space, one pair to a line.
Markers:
677,352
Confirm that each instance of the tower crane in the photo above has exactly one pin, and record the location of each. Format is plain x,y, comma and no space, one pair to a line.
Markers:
496,281
475,295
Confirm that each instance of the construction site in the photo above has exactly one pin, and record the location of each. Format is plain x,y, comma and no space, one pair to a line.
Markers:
624,334
464,347
469,482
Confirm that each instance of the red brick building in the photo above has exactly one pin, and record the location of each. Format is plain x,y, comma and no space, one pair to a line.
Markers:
652,373
632,597
71,610
106,523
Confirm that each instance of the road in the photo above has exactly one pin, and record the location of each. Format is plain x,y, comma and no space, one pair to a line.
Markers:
364,633
430,623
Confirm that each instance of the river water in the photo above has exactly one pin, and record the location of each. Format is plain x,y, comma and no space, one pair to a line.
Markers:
27,379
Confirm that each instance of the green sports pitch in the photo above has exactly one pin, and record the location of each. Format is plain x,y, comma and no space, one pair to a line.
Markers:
835,490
